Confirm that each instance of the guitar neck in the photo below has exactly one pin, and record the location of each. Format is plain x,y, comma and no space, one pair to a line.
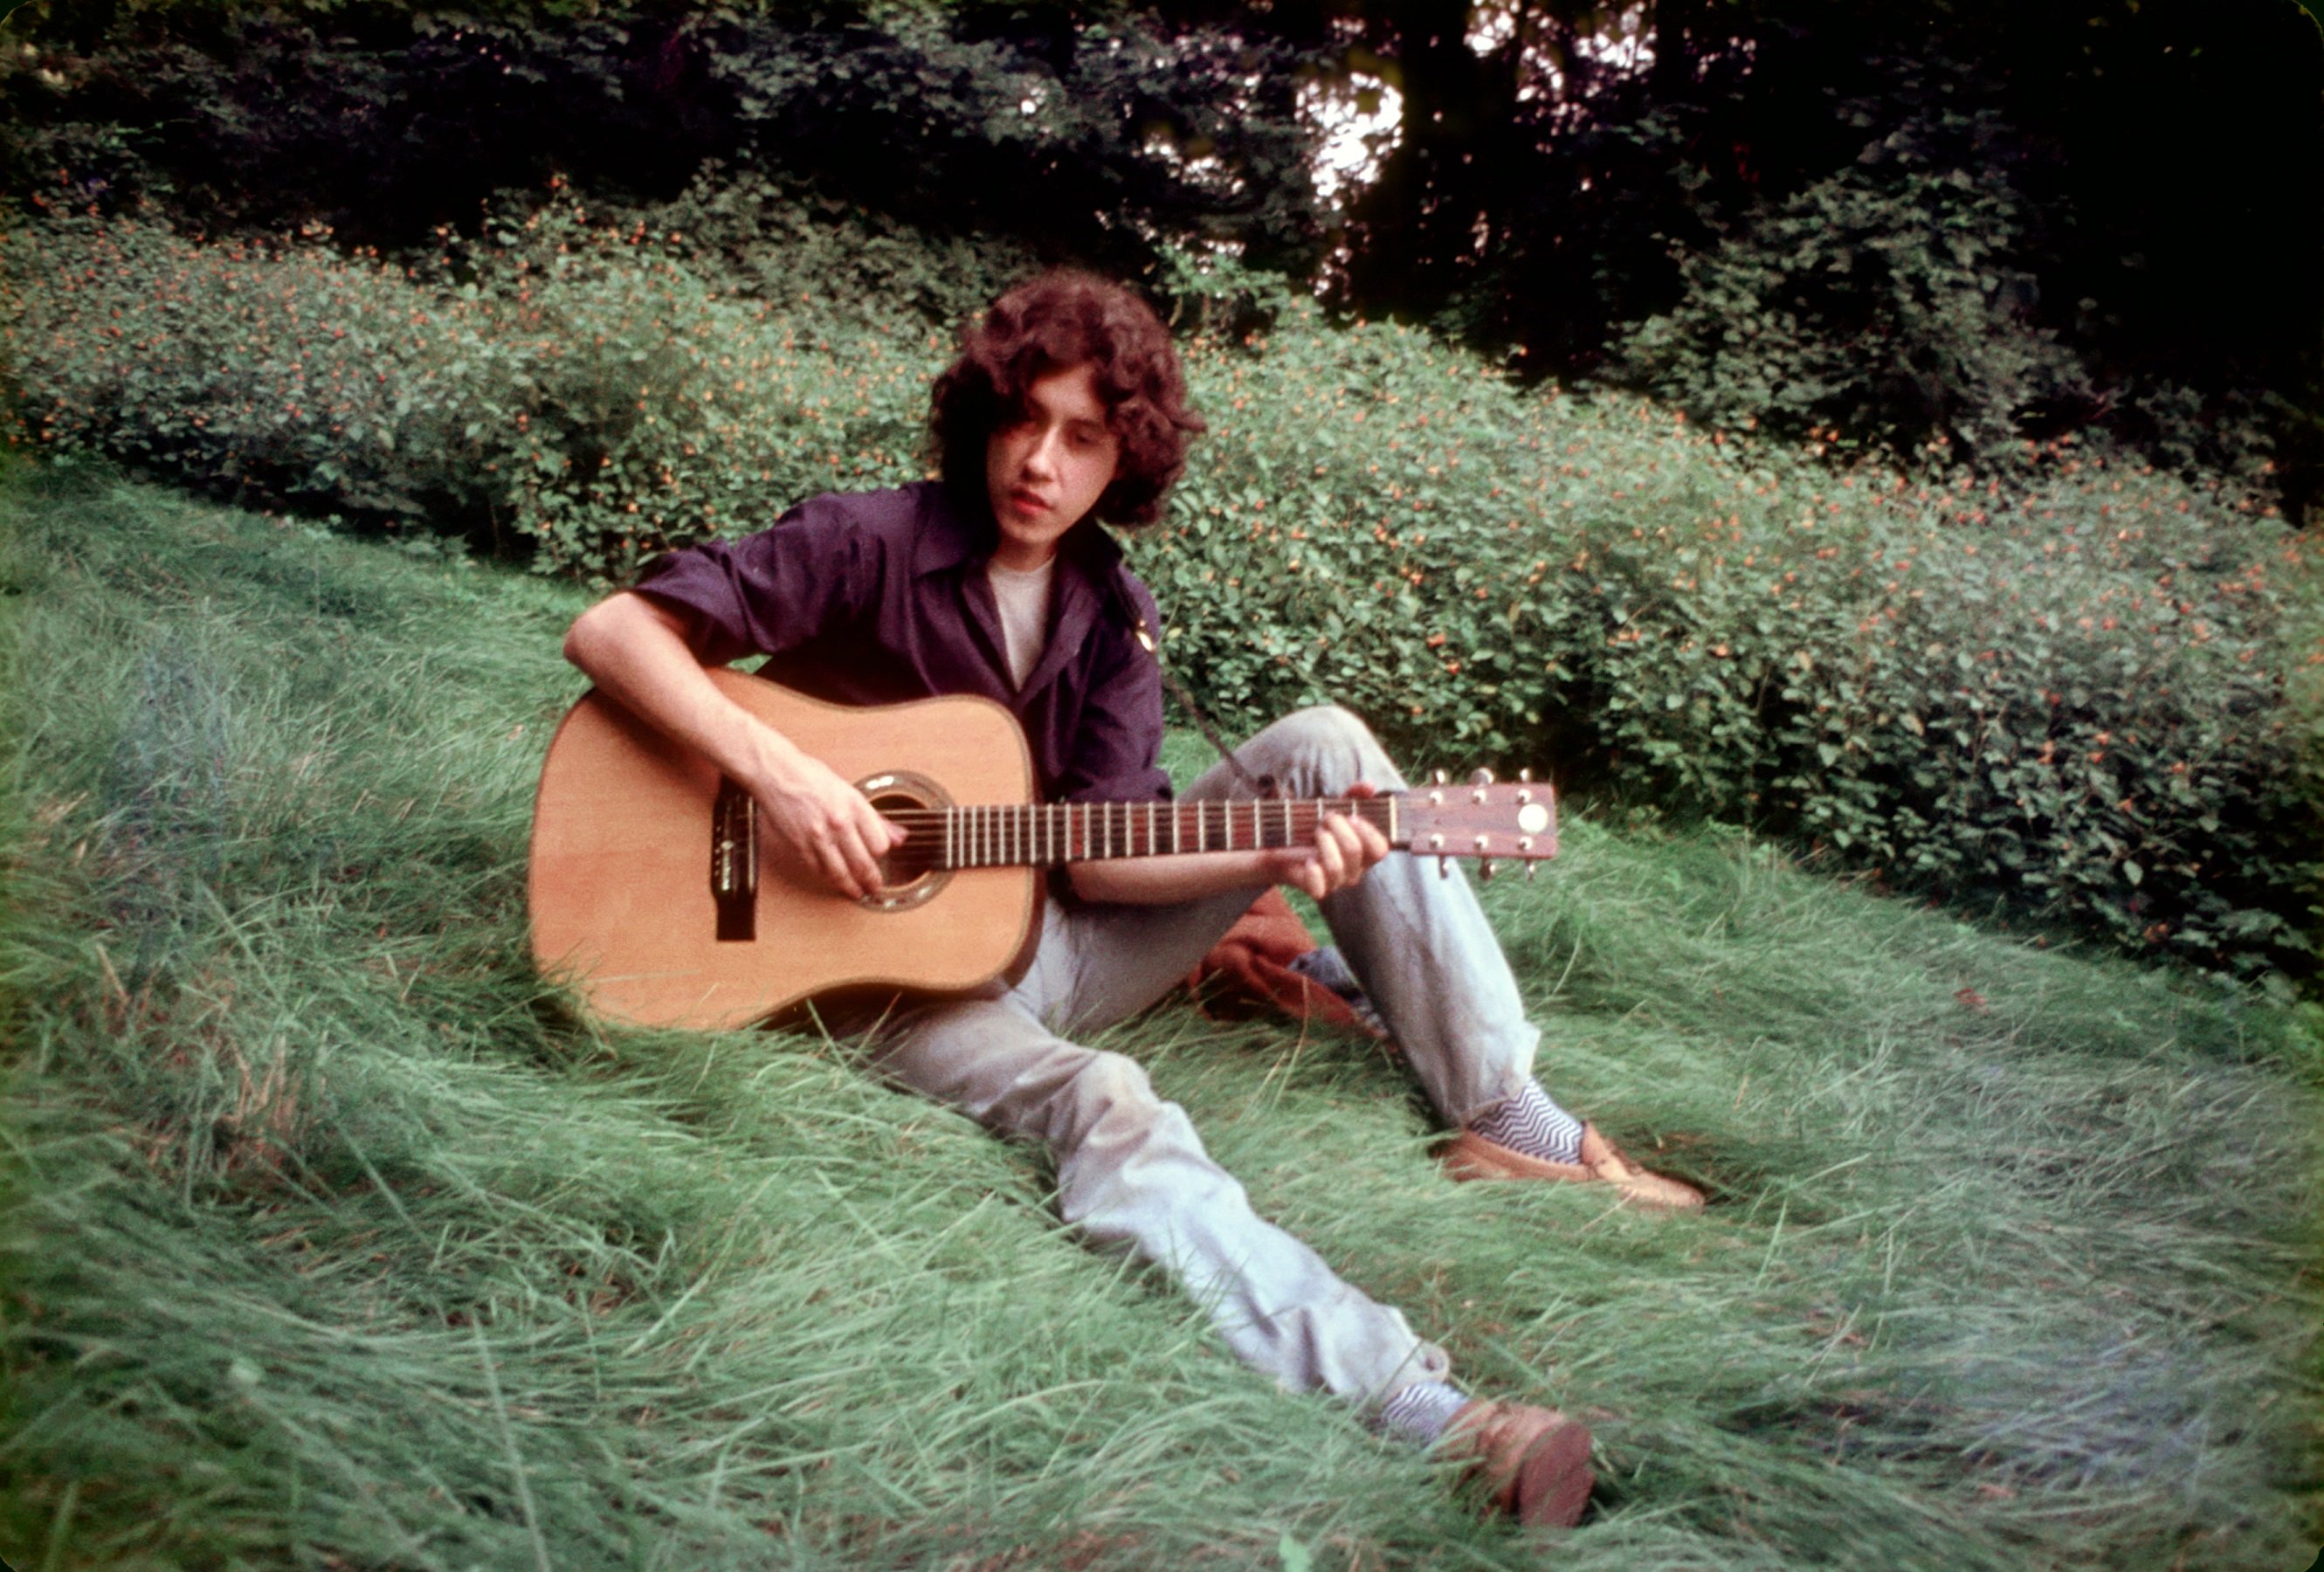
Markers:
1045,835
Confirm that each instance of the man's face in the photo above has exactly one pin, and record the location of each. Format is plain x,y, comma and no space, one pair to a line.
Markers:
1048,467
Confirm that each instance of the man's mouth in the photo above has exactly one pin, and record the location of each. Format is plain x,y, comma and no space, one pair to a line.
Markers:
1025,501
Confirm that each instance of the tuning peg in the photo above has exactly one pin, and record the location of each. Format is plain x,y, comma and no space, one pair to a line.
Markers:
1532,869
1445,868
1484,869
1481,778
1439,777
1525,776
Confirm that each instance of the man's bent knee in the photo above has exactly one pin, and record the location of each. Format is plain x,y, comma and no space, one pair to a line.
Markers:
1106,1089
1330,740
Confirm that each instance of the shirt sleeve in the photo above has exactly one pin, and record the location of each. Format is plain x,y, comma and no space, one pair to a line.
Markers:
814,573
1118,748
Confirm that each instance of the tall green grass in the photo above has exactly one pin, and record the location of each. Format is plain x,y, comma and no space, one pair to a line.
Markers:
332,1239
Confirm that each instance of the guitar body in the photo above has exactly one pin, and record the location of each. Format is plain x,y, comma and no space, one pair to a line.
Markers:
624,850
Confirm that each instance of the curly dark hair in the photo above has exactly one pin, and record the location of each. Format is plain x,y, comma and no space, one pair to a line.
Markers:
1061,319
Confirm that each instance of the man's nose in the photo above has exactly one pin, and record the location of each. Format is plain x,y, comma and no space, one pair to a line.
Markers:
1047,447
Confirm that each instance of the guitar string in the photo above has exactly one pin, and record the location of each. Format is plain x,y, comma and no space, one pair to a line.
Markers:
1021,831
929,831
1015,838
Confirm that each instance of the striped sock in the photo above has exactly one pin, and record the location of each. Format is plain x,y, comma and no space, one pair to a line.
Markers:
1420,1412
1531,1123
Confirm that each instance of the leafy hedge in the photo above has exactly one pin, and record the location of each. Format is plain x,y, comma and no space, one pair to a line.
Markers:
2072,696
584,395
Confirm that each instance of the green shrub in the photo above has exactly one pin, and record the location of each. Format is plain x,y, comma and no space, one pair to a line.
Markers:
1890,299
2071,695
589,397
2068,695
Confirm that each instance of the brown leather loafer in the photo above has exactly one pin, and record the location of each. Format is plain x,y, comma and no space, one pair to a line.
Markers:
1534,1461
1468,1155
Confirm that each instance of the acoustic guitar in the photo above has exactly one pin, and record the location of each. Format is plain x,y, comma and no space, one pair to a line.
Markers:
652,897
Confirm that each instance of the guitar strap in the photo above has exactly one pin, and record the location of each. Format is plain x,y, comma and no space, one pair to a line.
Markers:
1262,786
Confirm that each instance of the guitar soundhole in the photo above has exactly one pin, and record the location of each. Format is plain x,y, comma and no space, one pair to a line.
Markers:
906,877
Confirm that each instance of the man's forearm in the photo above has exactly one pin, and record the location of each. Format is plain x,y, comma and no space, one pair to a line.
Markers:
634,652
1155,881
637,653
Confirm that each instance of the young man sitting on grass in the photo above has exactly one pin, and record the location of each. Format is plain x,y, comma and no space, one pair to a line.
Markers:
1066,406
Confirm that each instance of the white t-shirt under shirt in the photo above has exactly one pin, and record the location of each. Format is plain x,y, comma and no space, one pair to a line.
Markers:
1023,599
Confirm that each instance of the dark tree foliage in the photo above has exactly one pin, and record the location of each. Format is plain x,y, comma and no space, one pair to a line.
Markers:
1096,138
2015,216
1966,223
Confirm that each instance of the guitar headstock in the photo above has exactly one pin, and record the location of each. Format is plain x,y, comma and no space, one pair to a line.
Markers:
1509,820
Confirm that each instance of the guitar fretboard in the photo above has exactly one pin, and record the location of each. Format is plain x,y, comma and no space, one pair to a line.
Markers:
1043,834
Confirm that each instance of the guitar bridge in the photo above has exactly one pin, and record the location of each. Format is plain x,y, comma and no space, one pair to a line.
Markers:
734,862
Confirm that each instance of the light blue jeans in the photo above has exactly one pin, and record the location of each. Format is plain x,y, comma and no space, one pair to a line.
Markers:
1131,1172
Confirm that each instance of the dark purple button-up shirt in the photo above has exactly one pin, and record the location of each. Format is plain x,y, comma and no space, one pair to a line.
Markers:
881,596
